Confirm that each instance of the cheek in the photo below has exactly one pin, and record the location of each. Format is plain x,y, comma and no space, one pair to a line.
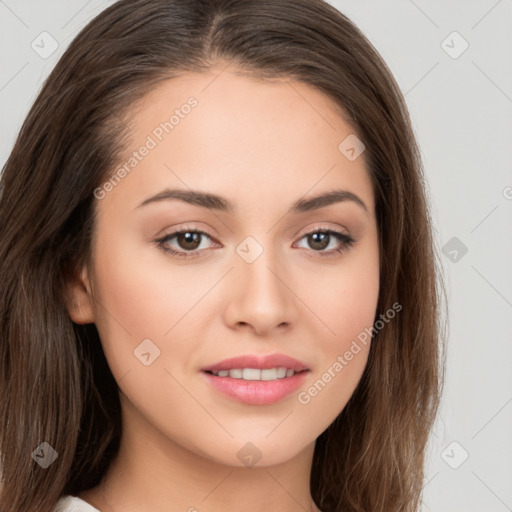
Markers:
144,294
343,358
343,297
139,297
345,301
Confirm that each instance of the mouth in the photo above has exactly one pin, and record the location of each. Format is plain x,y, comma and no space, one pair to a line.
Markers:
257,374
256,379
256,386
247,367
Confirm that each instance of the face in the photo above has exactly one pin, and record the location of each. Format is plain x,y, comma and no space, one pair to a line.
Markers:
178,284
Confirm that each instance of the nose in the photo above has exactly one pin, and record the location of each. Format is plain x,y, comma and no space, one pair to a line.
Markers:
259,297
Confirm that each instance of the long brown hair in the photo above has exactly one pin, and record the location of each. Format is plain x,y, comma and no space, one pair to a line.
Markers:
55,384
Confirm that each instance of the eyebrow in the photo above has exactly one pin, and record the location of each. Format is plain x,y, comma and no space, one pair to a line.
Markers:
215,202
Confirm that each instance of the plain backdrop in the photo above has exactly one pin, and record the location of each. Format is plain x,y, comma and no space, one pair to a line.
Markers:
452,60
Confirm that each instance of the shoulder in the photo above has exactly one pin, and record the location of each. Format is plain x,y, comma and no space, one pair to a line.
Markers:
73,504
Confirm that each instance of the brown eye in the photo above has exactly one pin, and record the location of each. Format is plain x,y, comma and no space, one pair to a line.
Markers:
189,240
321,239
186,243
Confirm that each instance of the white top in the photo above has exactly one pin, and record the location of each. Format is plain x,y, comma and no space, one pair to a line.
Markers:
74,504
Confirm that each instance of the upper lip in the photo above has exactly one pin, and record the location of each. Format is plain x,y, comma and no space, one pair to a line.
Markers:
256,361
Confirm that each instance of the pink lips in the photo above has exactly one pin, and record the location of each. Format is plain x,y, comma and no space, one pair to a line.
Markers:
255,392
255,361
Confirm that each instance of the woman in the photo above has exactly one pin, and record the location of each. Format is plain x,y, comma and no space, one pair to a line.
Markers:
218,272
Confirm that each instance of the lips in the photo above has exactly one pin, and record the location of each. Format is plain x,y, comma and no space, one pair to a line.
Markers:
258,362
256,380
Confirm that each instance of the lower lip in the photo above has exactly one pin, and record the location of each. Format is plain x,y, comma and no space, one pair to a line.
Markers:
257,392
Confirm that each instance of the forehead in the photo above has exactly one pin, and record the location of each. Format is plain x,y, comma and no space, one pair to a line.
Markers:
234,135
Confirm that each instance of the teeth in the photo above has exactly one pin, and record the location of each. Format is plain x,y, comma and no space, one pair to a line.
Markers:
251,374
281,372
269,374
256,374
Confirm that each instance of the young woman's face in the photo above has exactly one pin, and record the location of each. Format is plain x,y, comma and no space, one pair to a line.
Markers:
262,278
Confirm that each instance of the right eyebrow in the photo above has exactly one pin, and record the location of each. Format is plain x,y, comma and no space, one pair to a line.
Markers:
194,197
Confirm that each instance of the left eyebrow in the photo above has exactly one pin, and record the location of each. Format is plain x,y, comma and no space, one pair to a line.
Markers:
215,202
326,199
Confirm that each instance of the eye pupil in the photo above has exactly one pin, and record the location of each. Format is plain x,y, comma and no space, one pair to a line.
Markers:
319,240
189,238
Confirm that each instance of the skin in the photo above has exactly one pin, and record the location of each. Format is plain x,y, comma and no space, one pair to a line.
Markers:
262,145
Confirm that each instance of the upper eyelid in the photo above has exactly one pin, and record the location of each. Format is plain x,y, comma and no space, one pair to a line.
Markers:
308,231
318,227
186,230
322,227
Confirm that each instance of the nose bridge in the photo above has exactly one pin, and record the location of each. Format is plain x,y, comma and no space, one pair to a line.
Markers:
258,266
261,298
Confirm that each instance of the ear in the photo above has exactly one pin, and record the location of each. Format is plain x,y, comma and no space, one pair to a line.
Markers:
79,298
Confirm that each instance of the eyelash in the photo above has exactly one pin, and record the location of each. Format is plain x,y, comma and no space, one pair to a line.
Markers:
345,240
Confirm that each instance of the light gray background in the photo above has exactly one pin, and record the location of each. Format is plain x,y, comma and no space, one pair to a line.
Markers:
462,114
